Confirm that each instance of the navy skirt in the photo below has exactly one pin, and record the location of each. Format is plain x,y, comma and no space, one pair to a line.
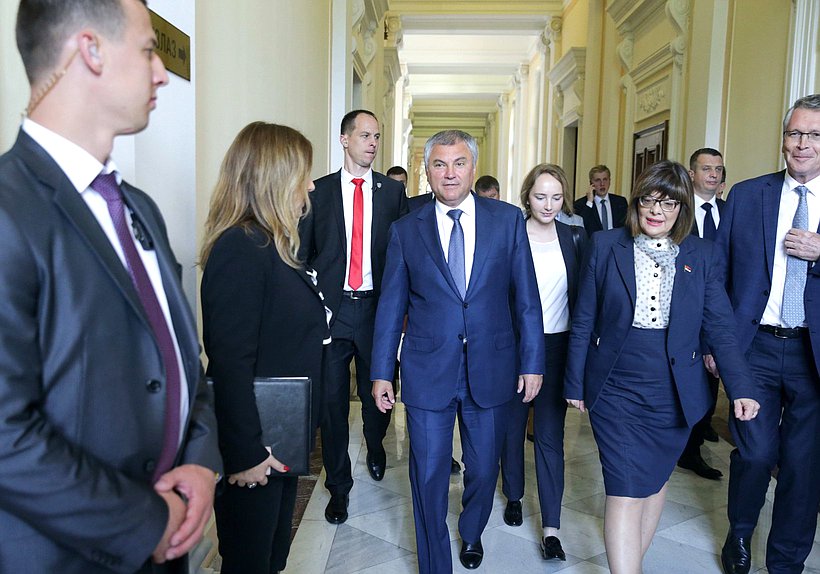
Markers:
637,420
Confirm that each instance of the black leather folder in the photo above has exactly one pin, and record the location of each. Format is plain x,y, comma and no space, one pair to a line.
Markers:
284,405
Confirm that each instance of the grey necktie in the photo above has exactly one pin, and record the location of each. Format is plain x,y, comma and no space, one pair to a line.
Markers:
455,252
792,313
604,215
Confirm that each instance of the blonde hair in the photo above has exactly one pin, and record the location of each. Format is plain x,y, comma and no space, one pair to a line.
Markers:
262,183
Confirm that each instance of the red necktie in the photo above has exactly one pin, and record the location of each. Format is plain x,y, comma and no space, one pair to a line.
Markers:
354,278
106,186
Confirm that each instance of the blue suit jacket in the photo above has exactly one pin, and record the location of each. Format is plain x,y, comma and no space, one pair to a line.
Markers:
747,239
502,292
606,306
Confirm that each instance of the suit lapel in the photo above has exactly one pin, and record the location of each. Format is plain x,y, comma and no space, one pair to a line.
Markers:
428,230
377,213
339,209
484,238
624,256
683,277
78,214
771,209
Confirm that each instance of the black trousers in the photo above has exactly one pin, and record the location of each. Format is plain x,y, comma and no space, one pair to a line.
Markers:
253,525
352,333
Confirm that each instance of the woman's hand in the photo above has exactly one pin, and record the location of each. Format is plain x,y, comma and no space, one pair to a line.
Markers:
258,475
746,409
578,404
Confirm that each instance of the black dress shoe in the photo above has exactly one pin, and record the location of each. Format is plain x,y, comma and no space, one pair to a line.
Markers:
697,465
711,434
512,514
471,555
551,548
455,468
336,509
376,463
736,555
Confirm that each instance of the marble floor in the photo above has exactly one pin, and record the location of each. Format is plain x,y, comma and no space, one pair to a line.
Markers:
378,537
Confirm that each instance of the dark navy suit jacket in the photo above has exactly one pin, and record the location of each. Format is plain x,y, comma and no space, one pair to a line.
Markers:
747,239
417,282
720,205
323,235
605,310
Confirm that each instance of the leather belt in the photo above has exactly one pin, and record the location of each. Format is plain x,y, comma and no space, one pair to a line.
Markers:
783,332
359,294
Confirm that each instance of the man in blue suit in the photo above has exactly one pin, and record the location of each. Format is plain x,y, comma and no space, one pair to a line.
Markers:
460,267
768,232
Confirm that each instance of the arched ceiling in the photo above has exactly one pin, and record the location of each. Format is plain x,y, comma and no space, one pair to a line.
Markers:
460,56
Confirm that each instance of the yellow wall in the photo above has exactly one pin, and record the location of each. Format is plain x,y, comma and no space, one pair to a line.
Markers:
260,60
574,29
757,79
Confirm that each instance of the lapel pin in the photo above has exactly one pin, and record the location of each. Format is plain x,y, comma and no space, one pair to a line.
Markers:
687,268
378,185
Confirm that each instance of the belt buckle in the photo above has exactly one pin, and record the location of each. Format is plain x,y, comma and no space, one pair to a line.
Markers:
777,333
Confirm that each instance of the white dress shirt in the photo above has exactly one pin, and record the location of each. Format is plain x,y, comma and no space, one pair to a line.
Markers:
445,228
551,276
348,188
700,213
82,168
788,205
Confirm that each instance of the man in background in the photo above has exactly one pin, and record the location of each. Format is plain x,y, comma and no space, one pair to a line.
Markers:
706,170
488,186
107,437
344,238
600,210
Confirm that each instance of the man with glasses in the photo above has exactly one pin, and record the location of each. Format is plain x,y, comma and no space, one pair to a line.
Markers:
768,232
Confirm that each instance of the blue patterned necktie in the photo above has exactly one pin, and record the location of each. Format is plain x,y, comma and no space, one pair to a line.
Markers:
793,312
709,229
455,252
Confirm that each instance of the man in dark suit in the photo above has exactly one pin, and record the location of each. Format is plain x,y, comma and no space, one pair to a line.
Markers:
769,234
417,201
108,439
344,240
706,171
599,209
461,269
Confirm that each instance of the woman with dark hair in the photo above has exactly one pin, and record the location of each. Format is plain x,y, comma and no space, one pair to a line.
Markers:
557,250
647,293
262,316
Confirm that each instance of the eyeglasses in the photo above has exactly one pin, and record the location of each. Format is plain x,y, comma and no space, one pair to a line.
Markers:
795,136
648,201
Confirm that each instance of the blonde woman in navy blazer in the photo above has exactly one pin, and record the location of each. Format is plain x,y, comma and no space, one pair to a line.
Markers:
262,316
557,251
645,386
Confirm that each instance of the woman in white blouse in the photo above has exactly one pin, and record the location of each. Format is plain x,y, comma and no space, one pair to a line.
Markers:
647,293
557,250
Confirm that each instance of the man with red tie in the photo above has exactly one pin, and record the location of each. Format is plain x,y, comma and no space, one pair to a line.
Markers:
344,238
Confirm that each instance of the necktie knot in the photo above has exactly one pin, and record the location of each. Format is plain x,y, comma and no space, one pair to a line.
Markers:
357,181
801,190
706,207
106,185
455,214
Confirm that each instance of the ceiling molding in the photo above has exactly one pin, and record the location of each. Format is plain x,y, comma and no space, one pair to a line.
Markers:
477,7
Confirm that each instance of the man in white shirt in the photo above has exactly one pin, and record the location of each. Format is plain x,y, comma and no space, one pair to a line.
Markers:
706,170
344,238
599,209
107,437
769,235
461,269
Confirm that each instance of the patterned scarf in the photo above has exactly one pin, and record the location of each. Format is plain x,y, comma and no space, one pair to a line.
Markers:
662,251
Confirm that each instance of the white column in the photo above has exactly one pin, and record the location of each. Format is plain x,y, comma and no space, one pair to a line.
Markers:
803,51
